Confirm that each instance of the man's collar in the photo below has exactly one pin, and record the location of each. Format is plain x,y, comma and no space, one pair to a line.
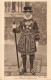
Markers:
28,18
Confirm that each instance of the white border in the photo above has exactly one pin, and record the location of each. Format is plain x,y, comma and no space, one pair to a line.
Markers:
2,77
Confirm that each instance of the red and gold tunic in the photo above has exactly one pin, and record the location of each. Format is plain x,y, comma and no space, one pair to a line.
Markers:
29,35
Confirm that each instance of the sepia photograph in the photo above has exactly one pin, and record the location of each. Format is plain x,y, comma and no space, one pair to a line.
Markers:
25,38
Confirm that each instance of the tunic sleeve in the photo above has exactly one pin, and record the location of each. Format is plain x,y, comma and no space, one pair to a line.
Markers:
19,28
36,29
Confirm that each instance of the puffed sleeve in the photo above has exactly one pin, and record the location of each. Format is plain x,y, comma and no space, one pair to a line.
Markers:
18,28
36,29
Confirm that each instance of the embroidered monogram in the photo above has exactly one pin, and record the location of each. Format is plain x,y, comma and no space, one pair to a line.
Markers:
28,22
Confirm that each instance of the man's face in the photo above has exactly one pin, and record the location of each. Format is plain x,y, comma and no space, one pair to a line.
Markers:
27,14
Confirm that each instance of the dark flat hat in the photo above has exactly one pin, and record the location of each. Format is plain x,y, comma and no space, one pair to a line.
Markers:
27,9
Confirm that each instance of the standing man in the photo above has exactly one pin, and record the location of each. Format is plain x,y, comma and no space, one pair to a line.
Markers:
28,39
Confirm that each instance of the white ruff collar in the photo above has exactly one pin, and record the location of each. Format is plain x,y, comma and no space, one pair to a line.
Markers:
27,18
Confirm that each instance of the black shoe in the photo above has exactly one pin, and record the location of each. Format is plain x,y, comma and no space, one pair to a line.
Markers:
22,71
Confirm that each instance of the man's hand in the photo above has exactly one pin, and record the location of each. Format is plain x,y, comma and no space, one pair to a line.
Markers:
14,27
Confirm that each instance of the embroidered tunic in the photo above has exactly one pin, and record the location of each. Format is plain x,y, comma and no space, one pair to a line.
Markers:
29,35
